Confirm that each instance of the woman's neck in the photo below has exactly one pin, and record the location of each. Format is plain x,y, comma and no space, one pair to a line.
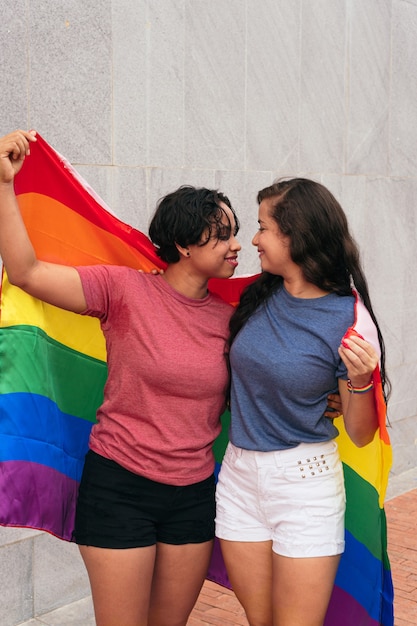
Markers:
300,288
185,283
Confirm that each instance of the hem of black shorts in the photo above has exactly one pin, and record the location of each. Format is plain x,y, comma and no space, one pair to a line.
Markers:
145,545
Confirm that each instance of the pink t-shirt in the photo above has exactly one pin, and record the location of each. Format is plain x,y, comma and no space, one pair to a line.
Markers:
167,374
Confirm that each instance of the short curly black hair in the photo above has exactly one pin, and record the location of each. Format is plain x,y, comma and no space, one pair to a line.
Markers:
189,216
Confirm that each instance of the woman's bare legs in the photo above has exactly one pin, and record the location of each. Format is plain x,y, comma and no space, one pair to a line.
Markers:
154,586
120,583
249,567
179,574
302,589
276,590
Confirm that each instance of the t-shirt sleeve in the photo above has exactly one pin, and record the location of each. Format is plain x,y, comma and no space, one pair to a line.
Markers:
102,285
341,371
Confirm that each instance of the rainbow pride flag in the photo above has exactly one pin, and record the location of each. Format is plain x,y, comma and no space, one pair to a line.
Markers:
52,374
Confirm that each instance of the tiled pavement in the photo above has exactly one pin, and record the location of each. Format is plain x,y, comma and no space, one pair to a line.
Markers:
402,551
217,606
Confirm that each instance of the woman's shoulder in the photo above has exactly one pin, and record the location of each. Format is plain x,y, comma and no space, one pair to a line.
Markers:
343,302
116,277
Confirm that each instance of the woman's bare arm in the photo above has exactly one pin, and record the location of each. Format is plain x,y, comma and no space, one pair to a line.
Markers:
56,284
359,409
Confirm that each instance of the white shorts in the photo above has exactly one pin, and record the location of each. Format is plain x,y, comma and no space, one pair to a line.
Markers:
295,498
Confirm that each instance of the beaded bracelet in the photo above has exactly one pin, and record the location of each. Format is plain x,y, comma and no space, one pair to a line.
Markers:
364,389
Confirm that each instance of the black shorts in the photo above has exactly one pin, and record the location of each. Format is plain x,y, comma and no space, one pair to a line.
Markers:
119,509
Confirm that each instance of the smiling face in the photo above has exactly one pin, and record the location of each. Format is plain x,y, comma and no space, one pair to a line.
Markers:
273,246
216,257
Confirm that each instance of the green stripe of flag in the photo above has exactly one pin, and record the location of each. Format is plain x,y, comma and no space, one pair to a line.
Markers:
32,362
364,518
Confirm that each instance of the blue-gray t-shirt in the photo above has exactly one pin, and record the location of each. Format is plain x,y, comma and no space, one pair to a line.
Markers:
284,364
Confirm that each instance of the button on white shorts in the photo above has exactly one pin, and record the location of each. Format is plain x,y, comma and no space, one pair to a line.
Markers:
295,498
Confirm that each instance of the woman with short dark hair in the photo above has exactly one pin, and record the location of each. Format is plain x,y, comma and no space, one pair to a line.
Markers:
145,510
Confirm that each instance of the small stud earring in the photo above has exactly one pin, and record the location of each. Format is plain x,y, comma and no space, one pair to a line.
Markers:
188,254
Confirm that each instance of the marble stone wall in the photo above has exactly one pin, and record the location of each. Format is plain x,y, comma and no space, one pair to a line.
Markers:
144,95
